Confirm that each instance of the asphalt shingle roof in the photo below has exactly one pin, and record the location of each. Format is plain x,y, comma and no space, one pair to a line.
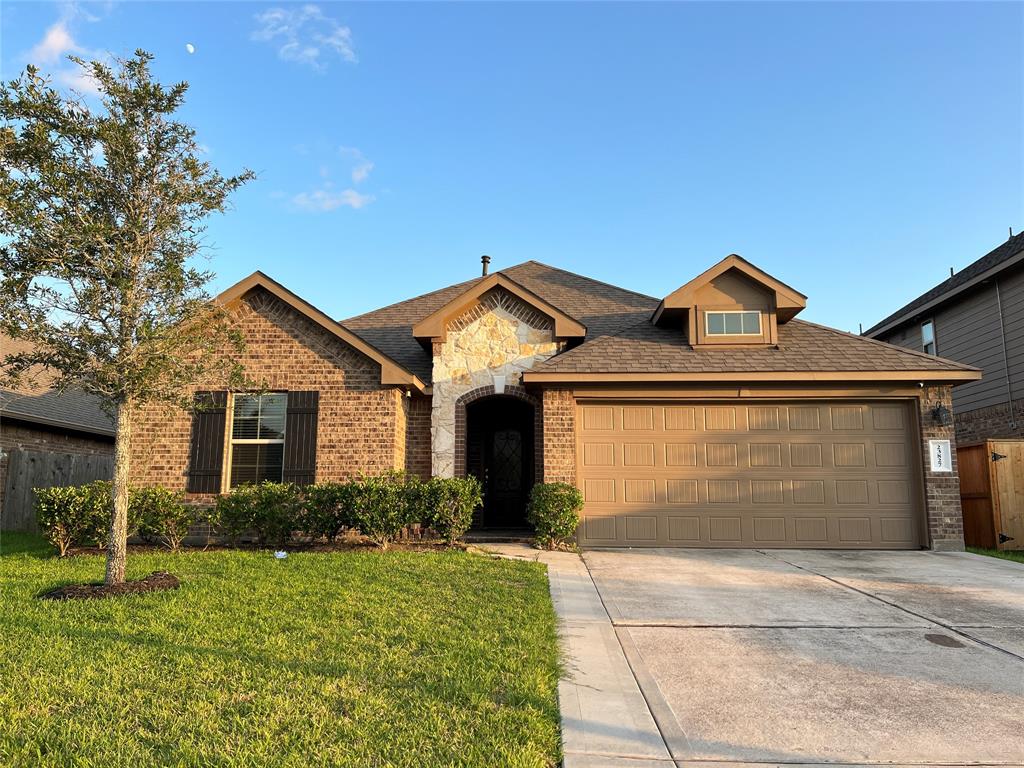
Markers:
621,339
803,346
35,400
993,258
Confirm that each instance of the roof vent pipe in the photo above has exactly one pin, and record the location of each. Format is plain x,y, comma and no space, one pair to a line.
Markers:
485,261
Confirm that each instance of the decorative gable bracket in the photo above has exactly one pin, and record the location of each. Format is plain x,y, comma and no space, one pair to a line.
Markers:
434,327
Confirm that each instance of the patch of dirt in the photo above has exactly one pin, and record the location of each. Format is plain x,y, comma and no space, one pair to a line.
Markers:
158,581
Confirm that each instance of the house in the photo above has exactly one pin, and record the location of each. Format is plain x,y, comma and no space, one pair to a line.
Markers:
709,417
69,428
976,317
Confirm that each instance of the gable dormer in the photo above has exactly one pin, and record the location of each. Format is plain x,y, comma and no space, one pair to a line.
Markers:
734,303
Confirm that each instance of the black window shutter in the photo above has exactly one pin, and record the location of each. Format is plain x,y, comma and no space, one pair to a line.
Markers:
300,438
206,464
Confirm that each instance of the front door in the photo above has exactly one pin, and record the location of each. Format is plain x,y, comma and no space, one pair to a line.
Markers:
499,449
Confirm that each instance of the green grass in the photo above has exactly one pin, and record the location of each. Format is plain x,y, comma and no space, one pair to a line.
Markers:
1017,556
356,658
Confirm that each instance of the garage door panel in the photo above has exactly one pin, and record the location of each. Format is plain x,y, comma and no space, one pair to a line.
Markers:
828,475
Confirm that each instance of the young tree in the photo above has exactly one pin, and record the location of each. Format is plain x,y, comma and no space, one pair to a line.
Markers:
101,218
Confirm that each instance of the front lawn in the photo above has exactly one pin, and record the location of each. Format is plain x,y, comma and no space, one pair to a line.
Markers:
355,658
1007,554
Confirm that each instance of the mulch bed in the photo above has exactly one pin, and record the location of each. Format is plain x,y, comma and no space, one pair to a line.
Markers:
158,581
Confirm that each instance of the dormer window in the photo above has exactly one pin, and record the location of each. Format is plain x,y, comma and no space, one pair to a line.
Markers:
733,303
732,323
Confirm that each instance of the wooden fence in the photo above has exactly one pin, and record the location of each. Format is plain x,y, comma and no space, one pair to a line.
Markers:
992,493
27,470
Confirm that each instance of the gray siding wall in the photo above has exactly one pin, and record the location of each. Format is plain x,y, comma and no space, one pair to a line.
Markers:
968,331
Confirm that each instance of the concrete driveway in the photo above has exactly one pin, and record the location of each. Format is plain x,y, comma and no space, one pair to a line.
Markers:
809,657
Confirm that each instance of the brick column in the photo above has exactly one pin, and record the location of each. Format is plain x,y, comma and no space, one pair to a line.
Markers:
941,489
559,422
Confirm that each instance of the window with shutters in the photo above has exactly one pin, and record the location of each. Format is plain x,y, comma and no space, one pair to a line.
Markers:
256,451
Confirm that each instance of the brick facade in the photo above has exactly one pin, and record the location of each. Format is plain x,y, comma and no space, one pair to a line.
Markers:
417,436
361,425
994,422
941,489
559,427
365,427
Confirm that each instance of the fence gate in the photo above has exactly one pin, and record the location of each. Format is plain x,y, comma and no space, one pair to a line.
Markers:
42,469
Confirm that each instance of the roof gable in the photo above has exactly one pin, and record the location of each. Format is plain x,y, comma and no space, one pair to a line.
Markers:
391,373
788,301
433,326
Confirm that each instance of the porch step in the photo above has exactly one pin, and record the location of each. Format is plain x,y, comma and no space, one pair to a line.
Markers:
499,537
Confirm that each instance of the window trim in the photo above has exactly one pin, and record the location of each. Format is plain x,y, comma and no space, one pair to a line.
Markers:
226,486
760,324
929,323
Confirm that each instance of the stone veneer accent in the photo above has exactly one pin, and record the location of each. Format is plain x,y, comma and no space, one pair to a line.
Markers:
941,489
501,336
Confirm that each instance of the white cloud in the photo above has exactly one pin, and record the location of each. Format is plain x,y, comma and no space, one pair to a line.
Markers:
305,35
78,79
58,42
361,166
55,45
327,199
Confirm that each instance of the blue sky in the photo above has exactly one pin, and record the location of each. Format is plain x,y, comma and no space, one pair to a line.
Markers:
853,150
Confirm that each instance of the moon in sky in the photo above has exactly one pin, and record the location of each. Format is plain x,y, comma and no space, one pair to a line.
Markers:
190,48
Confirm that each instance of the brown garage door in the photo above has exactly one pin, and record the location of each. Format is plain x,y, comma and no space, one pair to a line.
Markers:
766,474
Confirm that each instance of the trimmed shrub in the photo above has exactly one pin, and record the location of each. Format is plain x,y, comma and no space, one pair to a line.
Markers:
62,517
327,509
384,505
272,511
449,503
78,514
97,502
554,512
162,515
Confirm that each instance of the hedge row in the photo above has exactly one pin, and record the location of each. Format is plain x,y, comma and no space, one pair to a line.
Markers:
77,515
379,507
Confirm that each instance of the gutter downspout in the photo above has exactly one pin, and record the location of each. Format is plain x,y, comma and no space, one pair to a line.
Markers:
1006,362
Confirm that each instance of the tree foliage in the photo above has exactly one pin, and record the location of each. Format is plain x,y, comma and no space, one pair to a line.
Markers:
101,224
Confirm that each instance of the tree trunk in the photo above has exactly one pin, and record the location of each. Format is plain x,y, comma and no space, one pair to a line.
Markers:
117,547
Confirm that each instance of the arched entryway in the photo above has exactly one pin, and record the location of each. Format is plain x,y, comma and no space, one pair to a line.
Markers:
501,452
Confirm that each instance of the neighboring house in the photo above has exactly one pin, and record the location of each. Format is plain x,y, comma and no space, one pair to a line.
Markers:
711,417
34,417
976,317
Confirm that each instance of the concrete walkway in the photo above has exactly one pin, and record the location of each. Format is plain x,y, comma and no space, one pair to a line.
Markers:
606,722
